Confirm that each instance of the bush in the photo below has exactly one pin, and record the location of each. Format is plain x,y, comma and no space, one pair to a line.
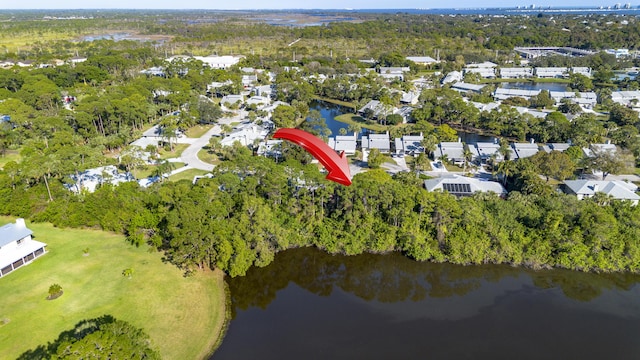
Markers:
55,291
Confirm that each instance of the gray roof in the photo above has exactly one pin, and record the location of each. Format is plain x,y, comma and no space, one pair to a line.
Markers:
12,232
453,150
377,141
525,150
617,189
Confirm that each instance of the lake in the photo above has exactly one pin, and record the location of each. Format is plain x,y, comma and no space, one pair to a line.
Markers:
311,305
329,112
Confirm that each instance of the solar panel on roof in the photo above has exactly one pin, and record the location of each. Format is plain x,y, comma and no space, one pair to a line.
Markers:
457,188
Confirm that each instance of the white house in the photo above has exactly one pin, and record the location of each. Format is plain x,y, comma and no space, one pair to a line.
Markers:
586,99
452,77
346,143
409,144
422,60
503,94
245,134
516,72
232,99
393,72
626,98
582,70
89,179
17,248
552,72
453,151
487,73
466,87
377,141
525,150
463,186
618,190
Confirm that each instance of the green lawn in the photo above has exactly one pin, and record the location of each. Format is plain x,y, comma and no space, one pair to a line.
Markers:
198,130
177,150
10,155
183,316
356,119
208,157
187,174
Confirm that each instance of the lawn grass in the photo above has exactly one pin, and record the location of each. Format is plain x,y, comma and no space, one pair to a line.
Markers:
177,150
356,119
198,130
187,174
10,155
208,157
183,316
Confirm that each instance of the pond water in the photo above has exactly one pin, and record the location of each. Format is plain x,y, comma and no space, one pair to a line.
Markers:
329,112
311,305
534,86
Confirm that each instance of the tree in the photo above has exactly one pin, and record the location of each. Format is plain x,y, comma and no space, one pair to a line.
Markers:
569,107
467,155
580,82
429,143
284,116
606,161
555,164
375,159
55,291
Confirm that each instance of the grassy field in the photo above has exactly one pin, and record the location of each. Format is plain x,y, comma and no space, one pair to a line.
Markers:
207,157
198,130
183,316
356,119
177,151
187,174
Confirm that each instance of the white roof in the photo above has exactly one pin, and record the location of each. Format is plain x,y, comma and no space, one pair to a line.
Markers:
377,141
525,150
422,59
467,87
486,149
463,185
617,189
453,150
502,94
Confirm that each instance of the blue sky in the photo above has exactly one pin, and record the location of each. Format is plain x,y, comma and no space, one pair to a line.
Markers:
291,4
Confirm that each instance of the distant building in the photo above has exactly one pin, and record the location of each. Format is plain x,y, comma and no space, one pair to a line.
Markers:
346,143
17,247
465,87
454,76
422,60
516,73
552,72
409,144
377,141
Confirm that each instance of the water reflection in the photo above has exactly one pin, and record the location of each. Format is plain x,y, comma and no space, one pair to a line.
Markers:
308,304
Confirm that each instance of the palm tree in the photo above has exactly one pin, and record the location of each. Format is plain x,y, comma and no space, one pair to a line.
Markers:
506,168
467,155
429,144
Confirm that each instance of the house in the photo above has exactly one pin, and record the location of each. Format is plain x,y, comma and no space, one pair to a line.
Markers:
249,80
598,148
270,148
618,190
562,147
585,99
453,76
154,71
246,134
17,248
465,87
582,70
422,60
219,62
377,141
525,150
90,179
393,72
232,99
552,72
503,94
487,73
626,98
376,108
410,97
463,186
263,90
453,151
618,52
487,150
259,101
346,143
516,72
409,144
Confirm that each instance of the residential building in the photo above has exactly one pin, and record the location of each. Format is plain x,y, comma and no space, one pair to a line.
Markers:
589,152
270,148
486,151
452,151
626,98
377,108
503,94
377,141
410,97
393,72
562,147
586,71
89,179
246,134
525,150
409,144
346,143
587,100
552,72
422,60
463,186
454,76
486,73
465,87
232,99
17,247
516,73
619,190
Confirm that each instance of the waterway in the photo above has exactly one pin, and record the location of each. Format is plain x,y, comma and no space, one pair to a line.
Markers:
311,305
329,112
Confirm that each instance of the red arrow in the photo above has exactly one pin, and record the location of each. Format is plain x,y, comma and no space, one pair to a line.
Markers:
337,165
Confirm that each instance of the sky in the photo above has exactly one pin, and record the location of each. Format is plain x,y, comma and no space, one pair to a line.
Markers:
293,4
